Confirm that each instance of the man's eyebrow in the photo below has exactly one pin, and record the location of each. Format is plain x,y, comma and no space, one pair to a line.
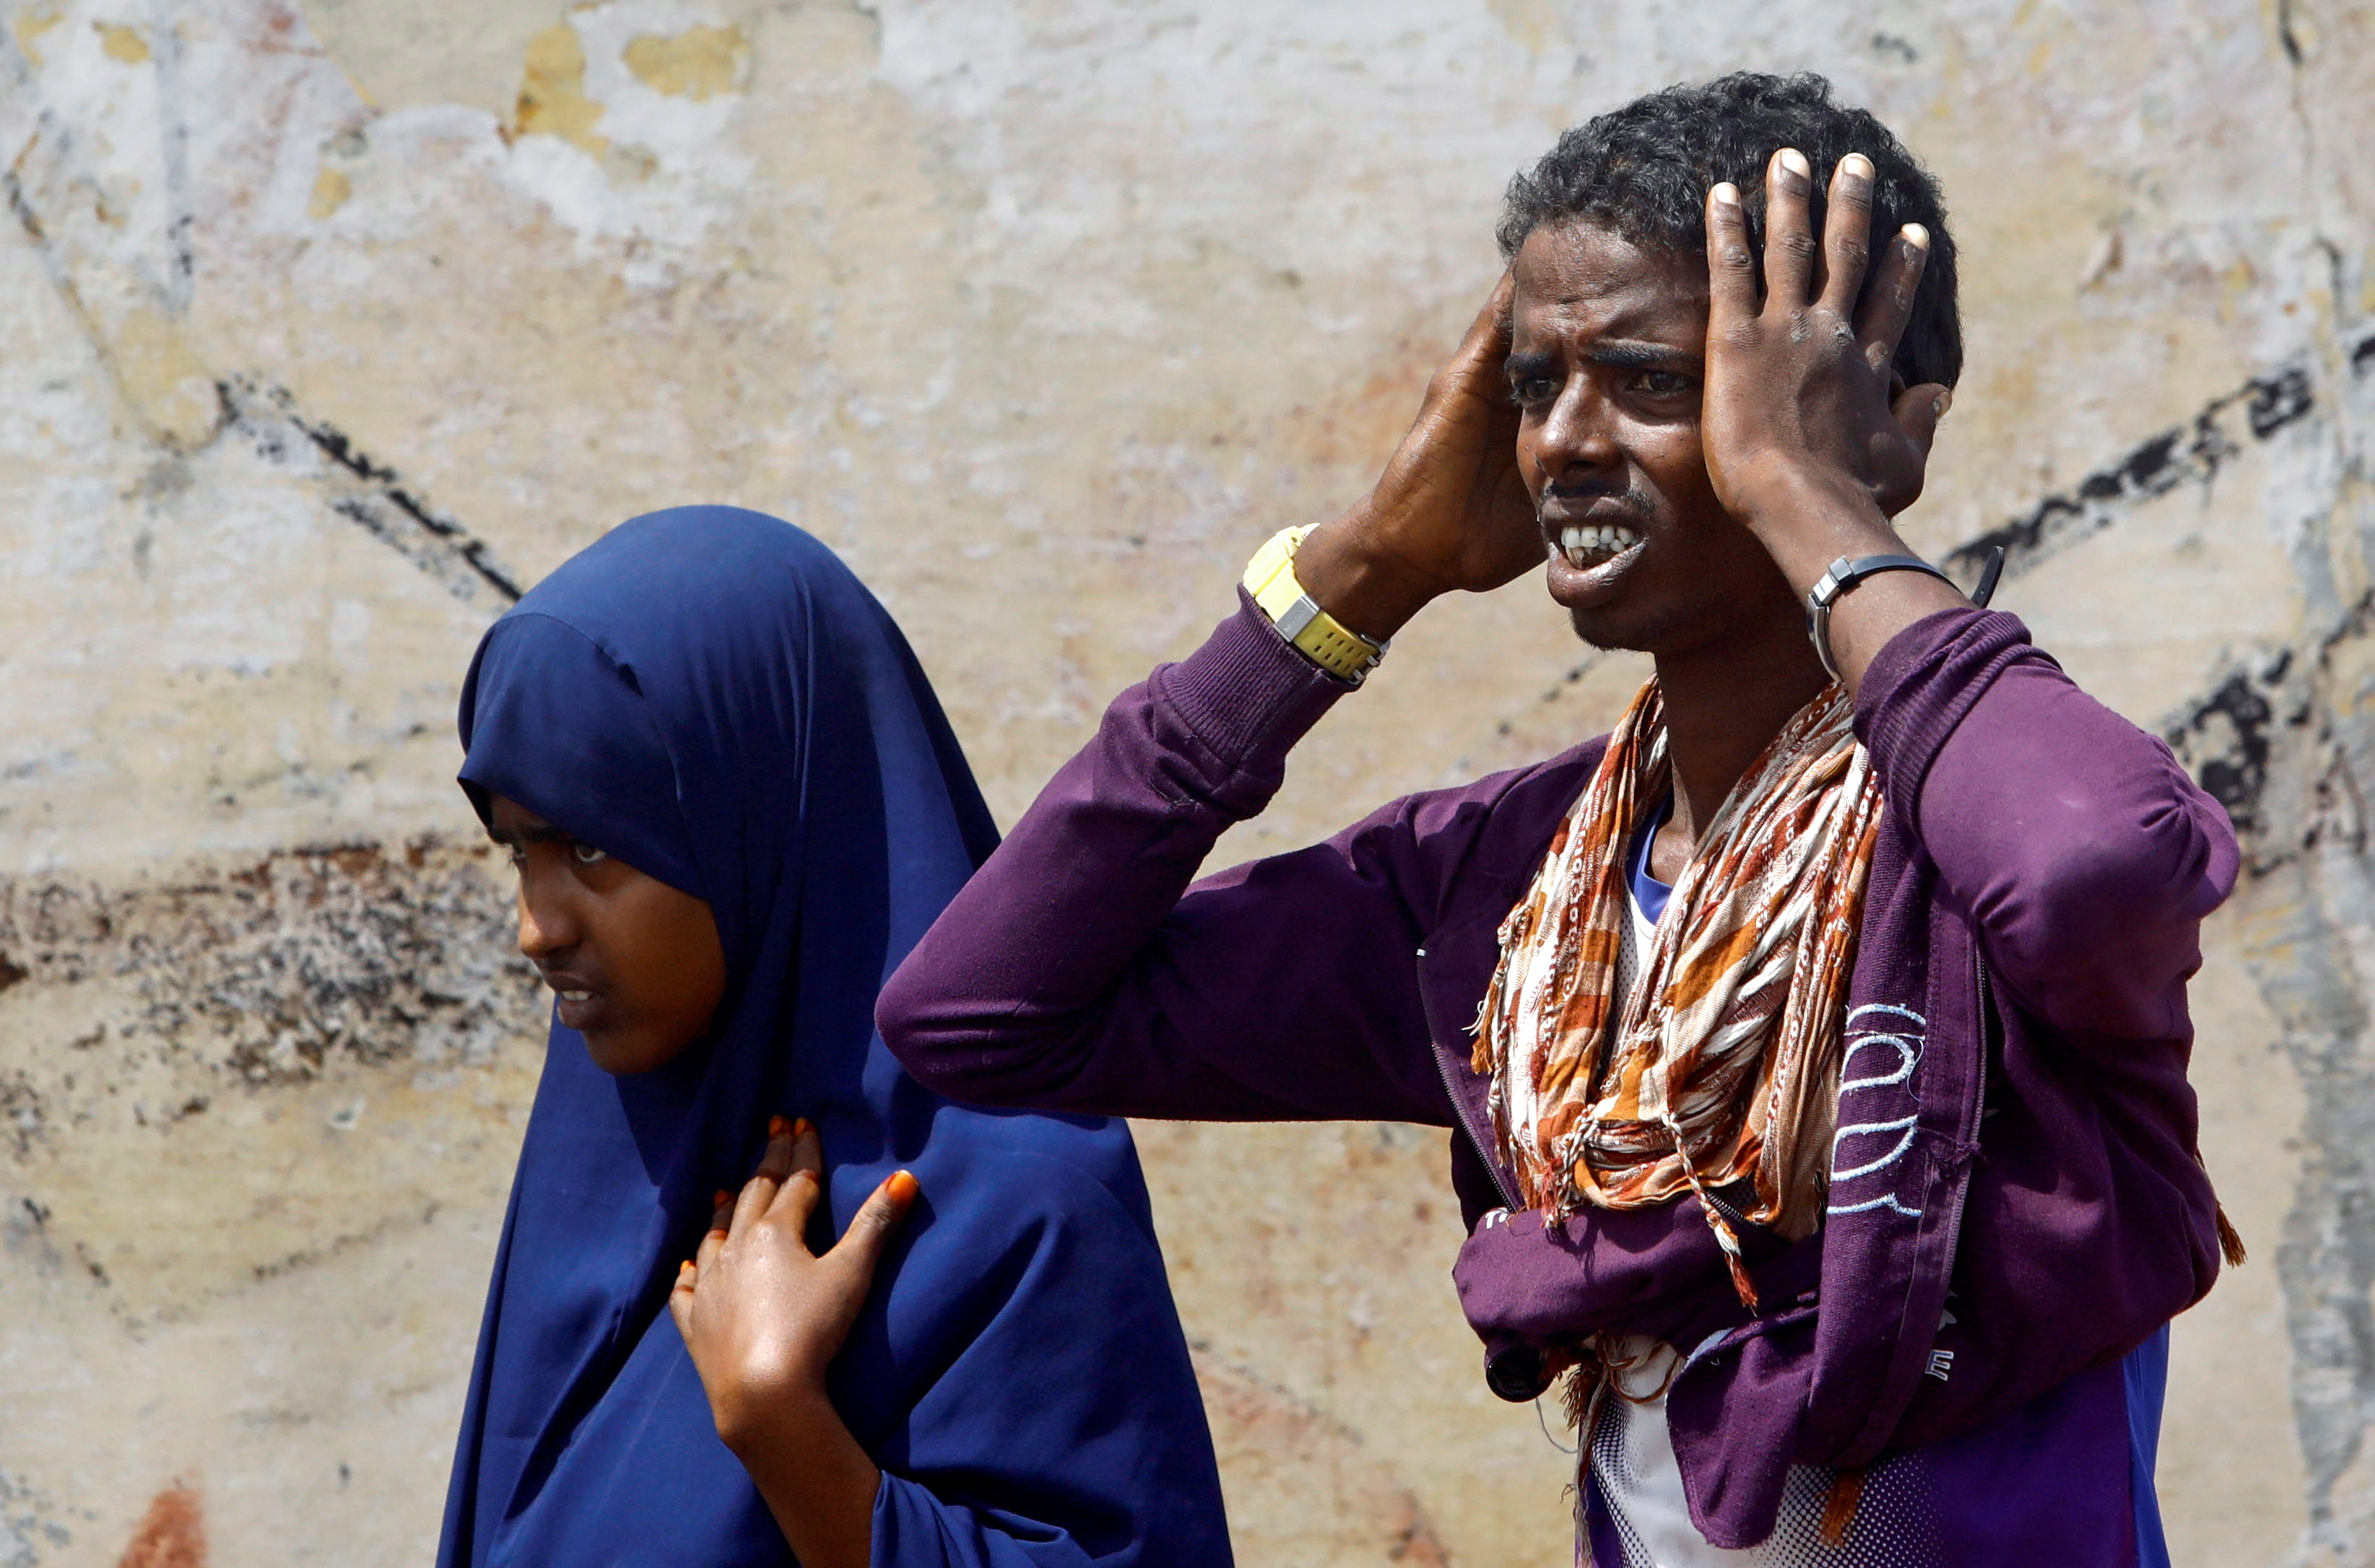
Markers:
1632,355
1619,353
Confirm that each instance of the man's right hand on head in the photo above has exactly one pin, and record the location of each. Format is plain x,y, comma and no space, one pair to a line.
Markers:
1450,512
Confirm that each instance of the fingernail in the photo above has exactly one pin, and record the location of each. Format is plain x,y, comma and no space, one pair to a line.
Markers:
777,1127
1795,161
1945,401
721,1199
1915,235
903,1186
1727,193
684,1268
802,1128
1856,165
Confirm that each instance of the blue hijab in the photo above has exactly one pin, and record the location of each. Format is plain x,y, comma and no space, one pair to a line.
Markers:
712,697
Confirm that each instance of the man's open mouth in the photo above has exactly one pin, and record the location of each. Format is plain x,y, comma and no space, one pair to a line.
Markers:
1594,544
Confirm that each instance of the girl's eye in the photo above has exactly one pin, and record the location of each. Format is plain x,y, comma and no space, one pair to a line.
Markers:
588,854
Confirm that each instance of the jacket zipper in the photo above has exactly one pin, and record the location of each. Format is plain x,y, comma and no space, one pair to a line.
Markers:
1459,1113
1987,1012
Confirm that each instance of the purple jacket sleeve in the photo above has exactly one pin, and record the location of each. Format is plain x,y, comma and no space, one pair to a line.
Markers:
2081,851
1077,970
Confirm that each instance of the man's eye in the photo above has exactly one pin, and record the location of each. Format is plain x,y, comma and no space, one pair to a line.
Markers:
1663,383
588,854
1533,389
515,856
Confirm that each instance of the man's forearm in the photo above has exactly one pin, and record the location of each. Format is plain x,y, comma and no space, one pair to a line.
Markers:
1806,526
1011,997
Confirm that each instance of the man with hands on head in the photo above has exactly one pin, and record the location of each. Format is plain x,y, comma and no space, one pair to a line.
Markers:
1814,1044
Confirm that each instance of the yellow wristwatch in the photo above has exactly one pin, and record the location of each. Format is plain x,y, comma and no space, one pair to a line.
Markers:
1318,636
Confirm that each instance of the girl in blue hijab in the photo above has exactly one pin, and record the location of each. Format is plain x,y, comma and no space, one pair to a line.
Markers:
736,805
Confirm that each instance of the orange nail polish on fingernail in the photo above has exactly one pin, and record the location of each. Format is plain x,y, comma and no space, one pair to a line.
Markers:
802,1128
903,1186
721,1199
777,1127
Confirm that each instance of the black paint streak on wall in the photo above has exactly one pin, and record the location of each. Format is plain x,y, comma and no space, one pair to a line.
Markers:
2191,453
372,495
2227,737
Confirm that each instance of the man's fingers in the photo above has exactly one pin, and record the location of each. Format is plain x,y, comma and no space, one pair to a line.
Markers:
680,1298
1476,365
1492,323
1497,309
1790,245
1888,304
860,1247
1731,265
1847,234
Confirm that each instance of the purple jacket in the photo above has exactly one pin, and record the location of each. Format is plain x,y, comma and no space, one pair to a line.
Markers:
2015,1197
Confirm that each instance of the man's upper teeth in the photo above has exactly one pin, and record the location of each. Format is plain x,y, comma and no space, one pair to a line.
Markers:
1598,539
574,996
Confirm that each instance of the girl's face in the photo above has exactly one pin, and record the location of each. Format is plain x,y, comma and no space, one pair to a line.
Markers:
636,964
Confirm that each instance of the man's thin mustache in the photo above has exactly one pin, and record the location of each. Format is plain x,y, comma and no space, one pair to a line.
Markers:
1632,499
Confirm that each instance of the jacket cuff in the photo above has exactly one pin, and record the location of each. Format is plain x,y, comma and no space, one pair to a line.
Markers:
1921,683
1246,695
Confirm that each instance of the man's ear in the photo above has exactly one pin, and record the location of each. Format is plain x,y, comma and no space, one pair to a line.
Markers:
1918,410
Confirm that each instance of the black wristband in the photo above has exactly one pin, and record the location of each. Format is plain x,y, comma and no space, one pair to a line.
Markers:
1834,585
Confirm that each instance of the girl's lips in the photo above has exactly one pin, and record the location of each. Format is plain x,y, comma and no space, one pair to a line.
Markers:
578,1009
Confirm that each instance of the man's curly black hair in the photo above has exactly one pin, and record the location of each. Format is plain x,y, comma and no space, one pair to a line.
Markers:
1644,171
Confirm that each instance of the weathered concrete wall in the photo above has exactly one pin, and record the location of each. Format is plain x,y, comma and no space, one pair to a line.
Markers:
325,326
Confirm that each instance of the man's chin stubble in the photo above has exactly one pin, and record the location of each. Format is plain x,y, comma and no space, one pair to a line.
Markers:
1604,638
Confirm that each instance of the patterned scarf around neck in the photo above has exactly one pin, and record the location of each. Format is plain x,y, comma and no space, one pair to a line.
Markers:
1725,1062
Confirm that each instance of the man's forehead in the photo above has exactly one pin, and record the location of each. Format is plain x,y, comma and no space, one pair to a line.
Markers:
1578,274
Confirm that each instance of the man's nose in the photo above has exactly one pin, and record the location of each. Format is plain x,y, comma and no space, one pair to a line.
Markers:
1578,431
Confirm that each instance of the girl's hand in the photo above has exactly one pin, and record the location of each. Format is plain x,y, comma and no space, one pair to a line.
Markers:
762,1315
1450,512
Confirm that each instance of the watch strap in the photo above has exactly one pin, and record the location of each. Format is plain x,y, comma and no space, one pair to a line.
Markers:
1318,636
